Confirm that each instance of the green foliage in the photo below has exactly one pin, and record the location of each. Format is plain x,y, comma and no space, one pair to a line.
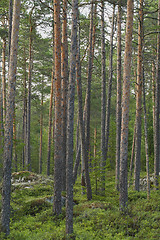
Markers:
32,216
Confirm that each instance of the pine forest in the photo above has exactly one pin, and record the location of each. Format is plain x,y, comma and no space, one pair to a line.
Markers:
79,119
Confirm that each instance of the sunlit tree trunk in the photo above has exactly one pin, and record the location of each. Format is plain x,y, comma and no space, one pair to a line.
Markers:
70,121
64,90
58,112
156,122
8,139
137,165
123,199
118,108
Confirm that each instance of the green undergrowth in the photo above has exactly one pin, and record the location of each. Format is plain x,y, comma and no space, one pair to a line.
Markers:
32,216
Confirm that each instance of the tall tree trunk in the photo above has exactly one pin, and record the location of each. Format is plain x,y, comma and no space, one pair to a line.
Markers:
132,156
157,87
50,126
108,105
86,113
77,162
10,26
103,97
64,90
146,137
24,129
58,112
123,199
8,140
153,92
137,165
118,108
95,160
85,179
70,121
41,132
14,143
50,138
1,128
4,78
28,147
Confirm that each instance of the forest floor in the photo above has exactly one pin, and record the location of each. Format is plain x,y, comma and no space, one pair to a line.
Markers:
32,212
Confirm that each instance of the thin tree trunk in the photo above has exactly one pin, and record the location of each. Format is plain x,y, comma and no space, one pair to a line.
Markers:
153,92
146,136
10,26
77,162
157,87
4,78
103,98
8,140
58,112
123,199
85,178
50,126
137,165
108,105
132,156
70,121
118,108
1,128
14,143
28,148
41,132
86,113
24,109
64,90
95,160
50,137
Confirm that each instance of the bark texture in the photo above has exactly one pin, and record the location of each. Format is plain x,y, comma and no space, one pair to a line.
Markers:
137,165
58,112
146,137
85,178
28,147
125,108
103,97
156,122
64,69
8,140
70,123
118,107
41,132
50,126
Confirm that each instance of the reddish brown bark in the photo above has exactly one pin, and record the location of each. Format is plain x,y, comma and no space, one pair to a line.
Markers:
125,108
58,112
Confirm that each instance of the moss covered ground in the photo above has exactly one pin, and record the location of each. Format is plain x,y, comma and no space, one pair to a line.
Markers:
32,216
